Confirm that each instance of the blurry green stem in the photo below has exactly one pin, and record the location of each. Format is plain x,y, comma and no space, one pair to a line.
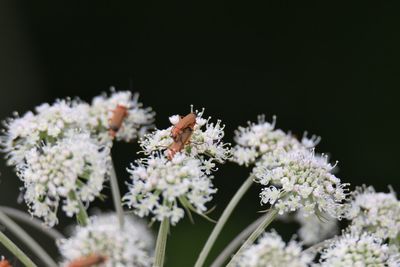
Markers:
81,217
116,196
16,251
161,243
230,249
222,220
27,239
26,218
268,218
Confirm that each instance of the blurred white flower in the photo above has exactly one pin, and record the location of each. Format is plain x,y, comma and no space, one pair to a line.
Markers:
300,179
131,246
205,142
358,250
377,213
314,229
70,170
159,185
258,139
271,251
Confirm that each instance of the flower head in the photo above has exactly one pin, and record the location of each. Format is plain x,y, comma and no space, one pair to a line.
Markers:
136,123
71,170
47,124
131,246
50,123
205,142
300,179
377,213
358,250
271,251
159,185
258,139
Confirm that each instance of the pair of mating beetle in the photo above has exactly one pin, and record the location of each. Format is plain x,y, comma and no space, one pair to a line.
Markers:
180,133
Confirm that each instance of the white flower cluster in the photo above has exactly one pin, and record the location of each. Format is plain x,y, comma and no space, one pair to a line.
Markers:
314,229
377,213
131,246
205,142
50,122
301,179
258,139
160,186
73,169
137,122
358,250
271,251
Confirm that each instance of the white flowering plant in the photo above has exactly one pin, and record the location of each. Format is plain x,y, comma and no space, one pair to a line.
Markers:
61,153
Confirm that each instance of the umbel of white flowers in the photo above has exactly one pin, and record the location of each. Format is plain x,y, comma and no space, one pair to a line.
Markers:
261,138
271,251
50,122
160,187
131,246
377,213
359,250
73,169
61,151
301,179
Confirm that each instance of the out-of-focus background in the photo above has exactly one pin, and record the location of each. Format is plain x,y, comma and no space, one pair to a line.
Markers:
331,70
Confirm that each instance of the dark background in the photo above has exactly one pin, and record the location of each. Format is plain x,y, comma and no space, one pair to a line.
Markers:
329,69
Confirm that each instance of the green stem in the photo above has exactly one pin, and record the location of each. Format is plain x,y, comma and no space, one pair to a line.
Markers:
26,218
116,196
161,243
269,217
222,220
21,256
82,216
234,244
27,239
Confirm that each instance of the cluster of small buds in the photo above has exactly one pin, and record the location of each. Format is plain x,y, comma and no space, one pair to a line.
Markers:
159,185
314,229
131,246
205,142
50,122
358,250
71,170
261,138
377,213
299,179
271,250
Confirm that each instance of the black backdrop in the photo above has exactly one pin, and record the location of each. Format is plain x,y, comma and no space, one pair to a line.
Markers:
329,69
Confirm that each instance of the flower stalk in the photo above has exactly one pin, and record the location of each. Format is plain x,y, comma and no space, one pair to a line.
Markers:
116,195
161,243
16,251
221,222
269,217
27,239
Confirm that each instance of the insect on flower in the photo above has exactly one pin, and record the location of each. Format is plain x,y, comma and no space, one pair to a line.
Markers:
119,114
179,143
185,122
88,261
